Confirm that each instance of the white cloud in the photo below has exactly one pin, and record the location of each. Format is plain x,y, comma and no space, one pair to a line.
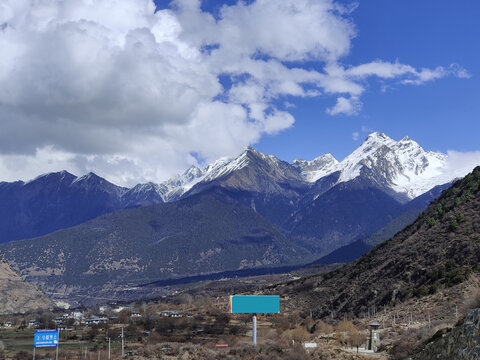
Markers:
289,105
425,75
350,106
355,135
459,164
379,68
366,129
131,93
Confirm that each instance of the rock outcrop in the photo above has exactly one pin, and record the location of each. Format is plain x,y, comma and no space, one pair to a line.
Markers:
461,343
17,295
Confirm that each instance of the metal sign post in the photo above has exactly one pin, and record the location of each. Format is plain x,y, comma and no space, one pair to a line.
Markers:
246,304
254,331
123,345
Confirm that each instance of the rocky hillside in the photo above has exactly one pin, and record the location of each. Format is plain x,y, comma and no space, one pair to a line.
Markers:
201,234
440,249
460,343
18,296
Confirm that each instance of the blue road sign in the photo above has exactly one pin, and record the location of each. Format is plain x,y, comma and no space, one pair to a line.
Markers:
246,304
46,338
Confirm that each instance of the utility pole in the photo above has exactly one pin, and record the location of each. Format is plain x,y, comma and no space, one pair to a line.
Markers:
123,345
109,354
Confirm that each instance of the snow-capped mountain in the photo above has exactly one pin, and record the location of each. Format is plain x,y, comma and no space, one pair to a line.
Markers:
274,188
400,166
177,186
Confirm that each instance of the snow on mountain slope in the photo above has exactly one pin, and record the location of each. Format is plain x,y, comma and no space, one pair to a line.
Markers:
92,181
180,184
144,194
402,166
317,168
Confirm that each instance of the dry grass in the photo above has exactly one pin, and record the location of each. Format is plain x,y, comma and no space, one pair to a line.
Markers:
472,293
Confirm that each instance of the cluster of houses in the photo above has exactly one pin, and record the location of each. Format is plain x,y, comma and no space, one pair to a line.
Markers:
77,317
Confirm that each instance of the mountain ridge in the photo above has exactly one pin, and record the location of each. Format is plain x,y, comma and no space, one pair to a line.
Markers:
441,248
276,189
203,233
404,155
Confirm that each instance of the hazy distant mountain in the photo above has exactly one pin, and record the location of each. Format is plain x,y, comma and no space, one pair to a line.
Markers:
407,214
439,249
54,201
347,212
253,210
200,234
290,196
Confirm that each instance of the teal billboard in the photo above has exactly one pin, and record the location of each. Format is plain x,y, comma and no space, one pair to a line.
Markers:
250,304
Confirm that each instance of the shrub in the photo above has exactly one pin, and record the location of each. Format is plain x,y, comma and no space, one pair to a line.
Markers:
322,327
433,288
431,221
456,276
421,291
356,339
409,343
440,210
343,330
345,326
299,334
454,226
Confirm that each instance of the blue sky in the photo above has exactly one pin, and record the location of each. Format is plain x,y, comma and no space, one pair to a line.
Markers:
441,116
144,90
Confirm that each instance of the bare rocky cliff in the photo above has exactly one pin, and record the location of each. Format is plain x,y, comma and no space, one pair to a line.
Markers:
17,295
460,343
